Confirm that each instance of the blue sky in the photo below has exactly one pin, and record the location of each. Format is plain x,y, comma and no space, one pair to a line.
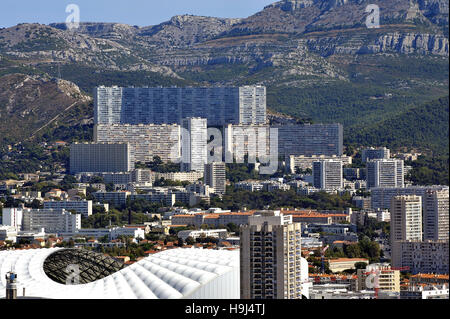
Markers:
133,12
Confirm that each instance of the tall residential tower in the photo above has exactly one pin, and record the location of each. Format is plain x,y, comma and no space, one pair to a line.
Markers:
271,262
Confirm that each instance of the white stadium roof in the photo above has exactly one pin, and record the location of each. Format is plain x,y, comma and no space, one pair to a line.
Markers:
171,274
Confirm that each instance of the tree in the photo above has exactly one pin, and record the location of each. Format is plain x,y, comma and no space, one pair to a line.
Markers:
36,204
104,239
190,241
352,251
360,265
233,228
97,180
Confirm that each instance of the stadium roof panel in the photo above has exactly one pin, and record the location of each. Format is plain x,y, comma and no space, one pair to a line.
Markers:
170,274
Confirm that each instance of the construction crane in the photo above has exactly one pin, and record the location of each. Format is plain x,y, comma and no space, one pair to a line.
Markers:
322,254
400,268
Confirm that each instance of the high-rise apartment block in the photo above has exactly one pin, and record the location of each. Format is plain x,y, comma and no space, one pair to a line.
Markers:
421,251
375,153
406,218
83,207
100,157
194,144
381,197
435,215
52,220
306,162
385,173
12,217
247,140
421,256
215,176
310,139
408,249
327,174
219,105
146,141
271,262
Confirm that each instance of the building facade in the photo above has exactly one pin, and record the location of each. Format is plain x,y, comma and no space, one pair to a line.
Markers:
310,139
406,218
306,162
252,141
12,217
52,220
435,215
327,174
421,256
101,157
220,105
215,177
385,173
381,196
271,262
83,207
194,141
146,140
375,153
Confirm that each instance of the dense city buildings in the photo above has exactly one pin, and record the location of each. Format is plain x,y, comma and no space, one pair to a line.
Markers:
100,157
369,154
181,176
385,173
146,140
271,262
215,176
219,105
310,139
327,174
194,148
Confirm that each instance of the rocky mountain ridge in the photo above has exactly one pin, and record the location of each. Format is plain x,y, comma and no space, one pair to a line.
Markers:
291,46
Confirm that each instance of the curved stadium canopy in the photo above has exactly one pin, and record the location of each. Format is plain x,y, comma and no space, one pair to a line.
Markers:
171,274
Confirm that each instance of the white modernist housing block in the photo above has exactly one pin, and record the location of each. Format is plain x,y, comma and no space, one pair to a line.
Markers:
101,157
220,105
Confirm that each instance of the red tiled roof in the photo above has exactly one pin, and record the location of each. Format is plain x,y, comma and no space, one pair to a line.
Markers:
337,260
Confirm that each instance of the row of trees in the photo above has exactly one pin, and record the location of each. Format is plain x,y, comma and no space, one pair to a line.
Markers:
364,248
236,200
